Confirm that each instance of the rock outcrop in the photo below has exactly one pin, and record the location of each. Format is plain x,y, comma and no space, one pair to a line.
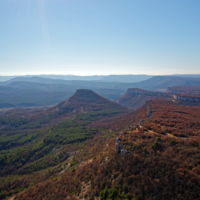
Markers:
135,98
137,92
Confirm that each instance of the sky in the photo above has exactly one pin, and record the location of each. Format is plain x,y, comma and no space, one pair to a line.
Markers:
99,37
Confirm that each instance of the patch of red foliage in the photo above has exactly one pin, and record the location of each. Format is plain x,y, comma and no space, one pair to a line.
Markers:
166,117
162,163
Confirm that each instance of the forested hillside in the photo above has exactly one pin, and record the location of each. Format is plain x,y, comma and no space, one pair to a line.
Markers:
159,158
32,140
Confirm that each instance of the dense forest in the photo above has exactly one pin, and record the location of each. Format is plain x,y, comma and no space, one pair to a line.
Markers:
75,157
30,143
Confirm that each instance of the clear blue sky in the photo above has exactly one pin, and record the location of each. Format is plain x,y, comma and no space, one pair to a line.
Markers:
86,37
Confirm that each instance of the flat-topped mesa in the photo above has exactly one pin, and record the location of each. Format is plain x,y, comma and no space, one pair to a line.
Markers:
185,93
135,98
192,90
138,91
176,96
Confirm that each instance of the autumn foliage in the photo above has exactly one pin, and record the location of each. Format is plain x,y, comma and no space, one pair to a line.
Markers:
162,163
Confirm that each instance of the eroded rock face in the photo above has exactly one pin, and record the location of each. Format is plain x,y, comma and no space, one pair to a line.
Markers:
191,90
137,91
135,98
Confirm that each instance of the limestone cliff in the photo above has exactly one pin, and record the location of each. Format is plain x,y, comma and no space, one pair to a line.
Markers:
135,98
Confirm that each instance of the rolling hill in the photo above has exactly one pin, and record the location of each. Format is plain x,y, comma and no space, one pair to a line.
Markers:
26,85
104,90
161,83
12,97
28,93
102,78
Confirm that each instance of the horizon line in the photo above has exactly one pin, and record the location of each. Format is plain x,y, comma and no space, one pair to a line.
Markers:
96,75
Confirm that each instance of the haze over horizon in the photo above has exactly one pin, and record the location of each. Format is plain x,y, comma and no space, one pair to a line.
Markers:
92,75
99,37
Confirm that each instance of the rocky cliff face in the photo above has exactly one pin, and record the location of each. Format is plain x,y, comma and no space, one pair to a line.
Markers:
137,92
174,94
191,90
136,98
186,98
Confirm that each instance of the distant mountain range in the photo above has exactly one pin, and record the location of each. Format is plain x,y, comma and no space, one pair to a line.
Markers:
161,83
109,78
39,91
129,78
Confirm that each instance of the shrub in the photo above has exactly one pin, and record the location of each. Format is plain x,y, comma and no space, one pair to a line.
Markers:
156,145
172,142
125,188
158,139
